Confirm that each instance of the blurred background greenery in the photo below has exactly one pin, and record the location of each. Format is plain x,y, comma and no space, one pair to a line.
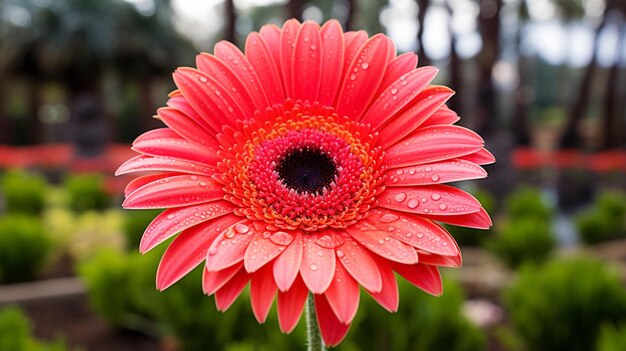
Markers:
544,81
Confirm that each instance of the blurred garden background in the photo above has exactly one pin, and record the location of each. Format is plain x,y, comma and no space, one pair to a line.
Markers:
544,81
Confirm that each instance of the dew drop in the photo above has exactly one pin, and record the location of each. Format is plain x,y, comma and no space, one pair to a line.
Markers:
353,76
365,65
203,79
420,235
389,218
442,207
330,241
213,251
281,238
435,197
424,200
340,253
313,267
428,169
394,91
229,234
413,203
434,177
313,47
319,253
400,197
171,216
241,228
193,177
381,241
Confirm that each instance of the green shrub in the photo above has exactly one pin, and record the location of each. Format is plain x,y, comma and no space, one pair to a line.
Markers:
612,338
121,288
470,236
527,202
23,192
423,323
135,222
23,247
87,192
605,220
522,239
16,333
561,305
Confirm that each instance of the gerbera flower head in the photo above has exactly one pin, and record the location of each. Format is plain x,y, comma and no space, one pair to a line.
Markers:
312,162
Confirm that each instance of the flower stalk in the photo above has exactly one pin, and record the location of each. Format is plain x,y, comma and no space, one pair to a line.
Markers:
313,334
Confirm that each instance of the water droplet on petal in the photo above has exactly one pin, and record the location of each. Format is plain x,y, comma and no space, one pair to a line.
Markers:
203,79
340,253
413,203
434,177
394,91
353,76
389,218
193,177
330,241
313,267
213,251
241,228
442,207
365,65
229,233
281,238
435,197
400,197
171,216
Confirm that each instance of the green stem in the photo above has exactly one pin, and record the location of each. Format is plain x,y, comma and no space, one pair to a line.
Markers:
313,334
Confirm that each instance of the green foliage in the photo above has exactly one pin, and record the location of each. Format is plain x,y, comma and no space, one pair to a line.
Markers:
606,220
612,338
521,240
87,192
23,192
470,236
121,288
16,333
23,247
135,222
527,202
561,305
423,322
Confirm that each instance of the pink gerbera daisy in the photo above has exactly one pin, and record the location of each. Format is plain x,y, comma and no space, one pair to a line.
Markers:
313,162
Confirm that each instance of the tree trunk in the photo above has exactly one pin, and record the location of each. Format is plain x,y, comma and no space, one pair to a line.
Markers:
231,19
611,116
421,19
520,126
295,9
351,11
489,28
456,78
578,107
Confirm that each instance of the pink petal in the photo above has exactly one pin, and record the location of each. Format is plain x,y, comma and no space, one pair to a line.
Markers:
213,281
398,95
177,148
343,295
442,200
363,77
221,73
143,180
412,117
353,43
265,248
287,43
480,157
156,134
174,220
333,331
290,305
307,62
401,65
422,276
261,59
287,265
332,62
240,65
271,35
443,116
415,231
188,250
382,243
388,297
225,296
444,261
177,101
318,264
230,246
156,164
360,264
185,126
262,292
209,97
432,144
478,220
435,173
177,191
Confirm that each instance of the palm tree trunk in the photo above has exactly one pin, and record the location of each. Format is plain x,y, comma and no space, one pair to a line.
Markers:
489,28
231,19
612,127
421,18
578,107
